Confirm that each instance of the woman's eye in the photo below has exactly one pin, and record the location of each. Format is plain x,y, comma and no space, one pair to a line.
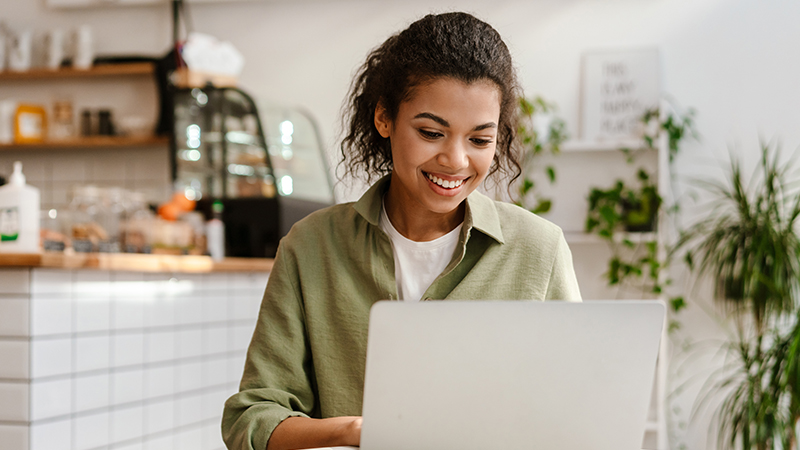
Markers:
430,134
481,142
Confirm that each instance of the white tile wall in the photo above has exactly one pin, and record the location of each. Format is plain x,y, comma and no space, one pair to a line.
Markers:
212,439
215,372
159,381
91,431
50,315
128,386
15,357
14,281
92,392
56,172
161,346
14,407
52,436
51,398
215,339
128,312
127,349
127,423
190,343
160,416
13,437
93,353
190,409
14,316
190,376
92,313
121,360
190,439
51,357
161,443
51,281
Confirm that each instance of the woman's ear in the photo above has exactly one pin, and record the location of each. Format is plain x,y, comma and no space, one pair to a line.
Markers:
382,122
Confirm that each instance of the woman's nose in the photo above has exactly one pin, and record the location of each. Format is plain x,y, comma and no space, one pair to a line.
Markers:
453,156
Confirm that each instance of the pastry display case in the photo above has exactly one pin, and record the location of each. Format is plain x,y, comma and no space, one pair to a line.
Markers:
265,165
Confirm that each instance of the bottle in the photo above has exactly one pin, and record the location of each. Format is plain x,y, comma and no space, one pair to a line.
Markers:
19,215
215,233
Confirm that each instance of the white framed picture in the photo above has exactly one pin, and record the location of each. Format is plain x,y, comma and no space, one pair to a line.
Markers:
617,87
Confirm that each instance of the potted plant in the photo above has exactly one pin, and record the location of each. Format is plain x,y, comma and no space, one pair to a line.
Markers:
540,133
748,244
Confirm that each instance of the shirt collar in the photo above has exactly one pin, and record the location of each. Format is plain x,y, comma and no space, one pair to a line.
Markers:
481,212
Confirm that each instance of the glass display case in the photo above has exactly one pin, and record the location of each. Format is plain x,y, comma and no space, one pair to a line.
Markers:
267,167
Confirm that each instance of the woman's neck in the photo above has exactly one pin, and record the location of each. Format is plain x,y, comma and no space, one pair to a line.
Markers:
419,224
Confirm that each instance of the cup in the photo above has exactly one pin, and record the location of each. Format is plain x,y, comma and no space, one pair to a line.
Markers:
83,55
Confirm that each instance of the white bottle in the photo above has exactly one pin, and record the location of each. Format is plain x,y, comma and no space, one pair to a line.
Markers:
19,215
215,233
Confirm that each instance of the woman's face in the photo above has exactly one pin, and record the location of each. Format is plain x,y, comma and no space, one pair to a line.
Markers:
443,141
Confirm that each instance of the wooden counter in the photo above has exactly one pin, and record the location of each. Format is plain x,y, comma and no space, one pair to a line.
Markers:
135,262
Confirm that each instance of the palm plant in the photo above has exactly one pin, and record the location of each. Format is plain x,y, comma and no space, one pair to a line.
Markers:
749,245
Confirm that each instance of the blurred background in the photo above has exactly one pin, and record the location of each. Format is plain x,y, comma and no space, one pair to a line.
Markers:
734,62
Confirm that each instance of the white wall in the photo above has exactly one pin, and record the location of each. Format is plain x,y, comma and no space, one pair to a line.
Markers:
735,61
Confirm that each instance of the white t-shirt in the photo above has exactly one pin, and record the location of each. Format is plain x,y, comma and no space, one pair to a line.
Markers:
417,264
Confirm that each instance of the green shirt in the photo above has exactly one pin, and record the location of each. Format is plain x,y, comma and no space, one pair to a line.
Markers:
308,352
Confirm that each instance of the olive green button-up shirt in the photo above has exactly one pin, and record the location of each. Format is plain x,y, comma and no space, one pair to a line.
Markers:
307,355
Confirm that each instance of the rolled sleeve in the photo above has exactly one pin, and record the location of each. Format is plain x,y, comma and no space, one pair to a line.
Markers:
278,375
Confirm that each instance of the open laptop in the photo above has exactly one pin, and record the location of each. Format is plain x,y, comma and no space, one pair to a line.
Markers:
510,375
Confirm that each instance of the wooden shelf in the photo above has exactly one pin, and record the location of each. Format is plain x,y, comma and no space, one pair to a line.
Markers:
603,146
135,262
102,70
577,237
92,142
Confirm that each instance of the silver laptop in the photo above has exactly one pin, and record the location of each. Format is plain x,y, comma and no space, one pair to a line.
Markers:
510,375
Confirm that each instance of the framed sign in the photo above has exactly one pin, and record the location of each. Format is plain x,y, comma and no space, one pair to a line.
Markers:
617,87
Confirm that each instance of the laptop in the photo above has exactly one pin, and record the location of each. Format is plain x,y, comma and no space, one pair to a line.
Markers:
510,375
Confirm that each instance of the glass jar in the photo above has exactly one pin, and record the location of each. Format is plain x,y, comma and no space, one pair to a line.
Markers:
138,225
87,215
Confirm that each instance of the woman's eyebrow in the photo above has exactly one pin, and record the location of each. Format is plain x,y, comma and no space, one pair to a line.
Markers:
485,126
433,117
444,123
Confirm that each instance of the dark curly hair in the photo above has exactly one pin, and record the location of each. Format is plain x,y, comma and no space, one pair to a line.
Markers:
451,45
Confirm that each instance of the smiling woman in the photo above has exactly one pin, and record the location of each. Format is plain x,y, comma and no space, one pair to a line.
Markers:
432,113
443,143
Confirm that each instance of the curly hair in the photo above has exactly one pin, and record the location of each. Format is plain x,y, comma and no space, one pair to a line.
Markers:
452,45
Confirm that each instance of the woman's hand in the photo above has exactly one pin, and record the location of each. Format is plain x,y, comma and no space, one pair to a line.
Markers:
301,432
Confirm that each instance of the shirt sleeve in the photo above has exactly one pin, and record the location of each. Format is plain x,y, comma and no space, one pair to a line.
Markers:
563,284
278,375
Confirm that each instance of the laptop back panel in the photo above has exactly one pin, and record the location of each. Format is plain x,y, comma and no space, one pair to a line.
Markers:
509,375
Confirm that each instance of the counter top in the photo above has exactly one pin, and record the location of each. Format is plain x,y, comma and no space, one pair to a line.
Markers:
133,262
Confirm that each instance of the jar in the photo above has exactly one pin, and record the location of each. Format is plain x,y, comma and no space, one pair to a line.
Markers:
87,217
136,229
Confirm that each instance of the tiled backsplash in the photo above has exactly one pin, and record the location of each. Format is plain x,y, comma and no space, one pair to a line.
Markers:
56,172
120,360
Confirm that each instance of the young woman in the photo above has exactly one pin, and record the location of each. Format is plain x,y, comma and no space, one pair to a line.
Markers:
432,113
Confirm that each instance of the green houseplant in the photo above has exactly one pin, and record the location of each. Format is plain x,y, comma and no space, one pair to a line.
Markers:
748,245
538,139
621,209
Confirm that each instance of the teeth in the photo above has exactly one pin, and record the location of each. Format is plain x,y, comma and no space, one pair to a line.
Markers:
447,184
